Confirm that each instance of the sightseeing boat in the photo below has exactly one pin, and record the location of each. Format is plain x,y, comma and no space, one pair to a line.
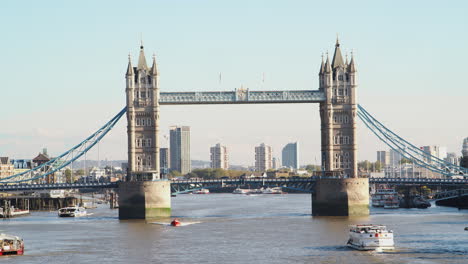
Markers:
74,211
370,237
201,191
13,212
381,195
11,245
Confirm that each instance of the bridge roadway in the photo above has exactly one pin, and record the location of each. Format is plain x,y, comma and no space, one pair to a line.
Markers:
303,184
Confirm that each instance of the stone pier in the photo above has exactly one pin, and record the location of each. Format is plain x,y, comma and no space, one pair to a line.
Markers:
341,197
144,199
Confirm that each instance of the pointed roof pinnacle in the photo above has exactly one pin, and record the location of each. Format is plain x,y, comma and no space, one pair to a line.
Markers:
322,66
327,65
129,67
141,59
154,68
337,57
351,66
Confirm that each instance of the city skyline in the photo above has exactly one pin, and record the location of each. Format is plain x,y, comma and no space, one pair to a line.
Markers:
59,113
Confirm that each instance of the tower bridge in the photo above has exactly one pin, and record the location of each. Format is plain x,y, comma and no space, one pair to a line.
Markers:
339,191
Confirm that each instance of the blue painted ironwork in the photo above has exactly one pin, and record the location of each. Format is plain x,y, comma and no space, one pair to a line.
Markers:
408,150
300,184
57,163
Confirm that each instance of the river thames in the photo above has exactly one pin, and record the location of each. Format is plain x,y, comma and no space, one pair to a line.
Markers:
232,228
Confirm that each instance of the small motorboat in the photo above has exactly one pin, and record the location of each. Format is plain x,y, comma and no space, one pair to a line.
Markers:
466,228
176,222
11,245
370,237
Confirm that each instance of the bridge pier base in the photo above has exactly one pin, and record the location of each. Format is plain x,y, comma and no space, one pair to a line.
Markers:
341,197
144,199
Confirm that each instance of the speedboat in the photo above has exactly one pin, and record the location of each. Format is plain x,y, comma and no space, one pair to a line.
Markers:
11,245
370,237
74,211
176,222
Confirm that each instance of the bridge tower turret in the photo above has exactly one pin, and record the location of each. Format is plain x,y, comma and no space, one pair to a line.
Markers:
338,116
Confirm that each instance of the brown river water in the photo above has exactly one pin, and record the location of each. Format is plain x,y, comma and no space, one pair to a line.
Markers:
232,228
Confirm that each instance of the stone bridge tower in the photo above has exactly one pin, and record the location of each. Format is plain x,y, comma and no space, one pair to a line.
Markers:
339,191
144,195
142,120
338,116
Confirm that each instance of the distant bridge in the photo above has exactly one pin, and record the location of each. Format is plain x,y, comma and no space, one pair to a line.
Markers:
183,186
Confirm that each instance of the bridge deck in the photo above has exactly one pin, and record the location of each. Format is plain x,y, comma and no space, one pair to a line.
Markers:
95,185
241,96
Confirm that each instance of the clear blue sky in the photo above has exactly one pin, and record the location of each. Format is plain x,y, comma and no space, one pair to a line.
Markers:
63,62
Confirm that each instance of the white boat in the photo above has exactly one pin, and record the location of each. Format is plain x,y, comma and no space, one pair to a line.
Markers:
273,190
11,245
381,195
201,191
13,212
74,211
241,191
370,237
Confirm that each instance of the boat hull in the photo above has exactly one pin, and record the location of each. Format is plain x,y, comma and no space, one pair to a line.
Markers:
370,248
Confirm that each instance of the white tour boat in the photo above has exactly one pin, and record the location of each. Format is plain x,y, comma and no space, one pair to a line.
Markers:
74,211
370,237
381,195
11,245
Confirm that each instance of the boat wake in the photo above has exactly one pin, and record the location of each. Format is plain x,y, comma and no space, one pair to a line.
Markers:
169,224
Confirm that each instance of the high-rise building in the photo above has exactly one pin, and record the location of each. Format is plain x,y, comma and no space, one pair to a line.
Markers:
219,157
452,158
275,163
263,157
383,157
290,155
164,164
180,149
436,151
464,159
395,158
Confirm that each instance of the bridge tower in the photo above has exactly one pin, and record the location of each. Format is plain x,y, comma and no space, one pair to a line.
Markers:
339,191
144,194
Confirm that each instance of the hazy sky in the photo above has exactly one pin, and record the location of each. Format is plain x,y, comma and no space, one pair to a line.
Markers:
63,63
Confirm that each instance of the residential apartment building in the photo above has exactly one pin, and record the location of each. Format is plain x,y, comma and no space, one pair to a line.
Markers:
219,157
263,157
